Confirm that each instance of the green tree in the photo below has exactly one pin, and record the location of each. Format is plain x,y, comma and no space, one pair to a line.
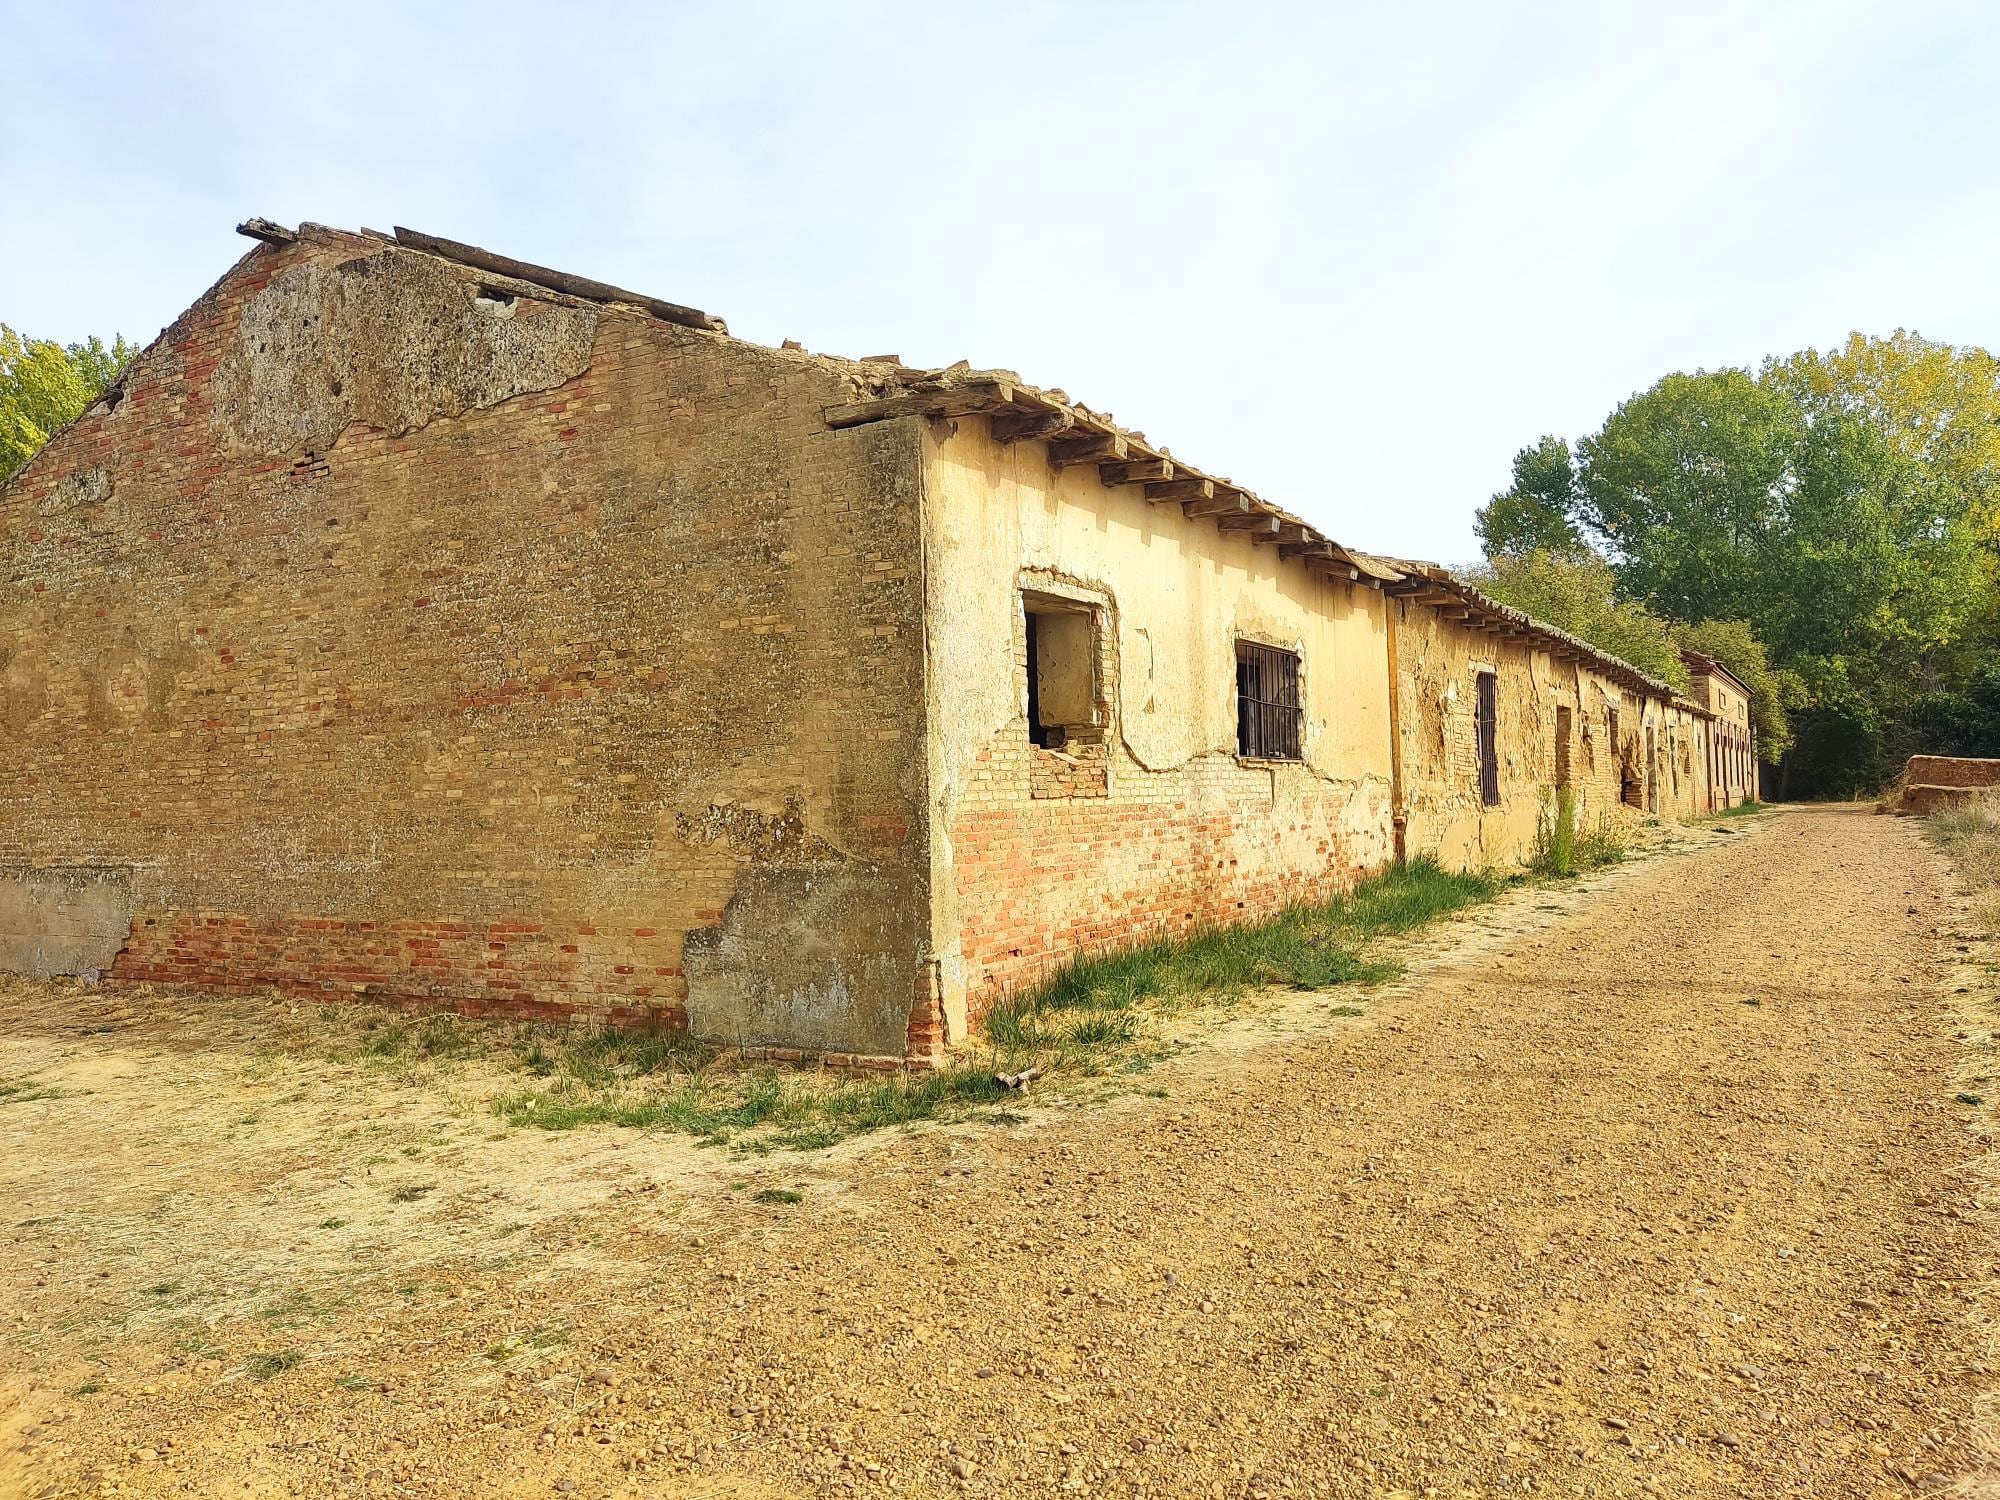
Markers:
1935,405
1685,484
1577,591
45,385
1845,507
1536,512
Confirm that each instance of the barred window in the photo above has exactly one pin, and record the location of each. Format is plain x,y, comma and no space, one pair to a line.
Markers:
1487,722
1267,702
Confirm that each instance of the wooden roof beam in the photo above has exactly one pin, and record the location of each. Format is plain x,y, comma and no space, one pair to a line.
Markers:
956,401
1087,448
1222,503
1334,568
1307,549
1137,471
1262,529
1180,489
559,281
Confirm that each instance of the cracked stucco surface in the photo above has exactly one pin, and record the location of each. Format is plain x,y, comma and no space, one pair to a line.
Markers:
394,340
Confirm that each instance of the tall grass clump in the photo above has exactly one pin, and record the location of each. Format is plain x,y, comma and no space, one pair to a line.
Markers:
1563,847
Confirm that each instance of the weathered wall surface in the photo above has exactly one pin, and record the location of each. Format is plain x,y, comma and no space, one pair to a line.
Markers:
1148,823
1629,755
404,635
63,920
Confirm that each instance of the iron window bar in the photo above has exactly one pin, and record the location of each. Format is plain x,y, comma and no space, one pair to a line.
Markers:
1267,702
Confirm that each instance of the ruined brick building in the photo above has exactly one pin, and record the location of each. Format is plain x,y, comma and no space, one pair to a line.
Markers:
417,624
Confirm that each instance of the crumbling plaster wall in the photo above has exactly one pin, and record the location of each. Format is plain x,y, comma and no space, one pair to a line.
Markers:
1176,831
1439,660
405,635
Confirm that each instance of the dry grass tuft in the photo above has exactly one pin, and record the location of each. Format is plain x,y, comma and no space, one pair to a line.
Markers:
1970,837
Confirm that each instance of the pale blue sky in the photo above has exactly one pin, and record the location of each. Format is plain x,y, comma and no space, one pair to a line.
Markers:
1350,255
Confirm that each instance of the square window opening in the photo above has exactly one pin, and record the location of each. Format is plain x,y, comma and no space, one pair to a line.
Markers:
1062,669
1268,712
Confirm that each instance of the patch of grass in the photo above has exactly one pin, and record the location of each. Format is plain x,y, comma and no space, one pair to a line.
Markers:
391,1039
163,1288
1750,1000
798,1110
1744,809
88,1388
1095,1017
1087,1003
355,1383
28,1091
777,1195
1971,1098
272,1362
411,1192
332,1223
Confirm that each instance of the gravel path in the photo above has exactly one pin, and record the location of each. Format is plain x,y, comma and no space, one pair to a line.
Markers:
1566,1214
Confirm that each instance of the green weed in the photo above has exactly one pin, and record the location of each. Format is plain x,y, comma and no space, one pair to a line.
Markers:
778,1195
273,1362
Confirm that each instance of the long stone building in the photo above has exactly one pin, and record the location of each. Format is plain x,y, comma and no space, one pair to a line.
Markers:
416,624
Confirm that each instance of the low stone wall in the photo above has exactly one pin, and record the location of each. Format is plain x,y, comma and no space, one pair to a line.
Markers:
1918,801
1931,782
1951,770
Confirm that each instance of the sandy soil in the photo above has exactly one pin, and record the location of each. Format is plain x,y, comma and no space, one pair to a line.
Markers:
1563,1213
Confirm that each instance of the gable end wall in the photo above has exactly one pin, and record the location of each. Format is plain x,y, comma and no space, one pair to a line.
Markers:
514,655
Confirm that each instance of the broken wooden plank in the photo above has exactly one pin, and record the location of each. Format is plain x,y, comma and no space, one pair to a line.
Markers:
1137,471
559,281
1180,489
1021,426
956,401
265,230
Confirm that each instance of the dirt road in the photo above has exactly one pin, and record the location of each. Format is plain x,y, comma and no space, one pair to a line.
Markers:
1656,1187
